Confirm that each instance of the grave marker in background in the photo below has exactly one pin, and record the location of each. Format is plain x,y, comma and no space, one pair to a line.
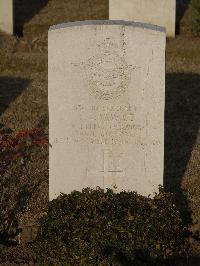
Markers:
106,106
6,16
157,12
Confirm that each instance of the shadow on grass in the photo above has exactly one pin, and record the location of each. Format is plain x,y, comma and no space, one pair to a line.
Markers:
24,11
182,121
19,182
181,7
11,88
191,261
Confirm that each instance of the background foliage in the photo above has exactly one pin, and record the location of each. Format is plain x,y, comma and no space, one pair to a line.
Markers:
195,17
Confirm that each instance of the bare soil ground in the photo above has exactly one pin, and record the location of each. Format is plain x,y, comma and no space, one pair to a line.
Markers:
23,104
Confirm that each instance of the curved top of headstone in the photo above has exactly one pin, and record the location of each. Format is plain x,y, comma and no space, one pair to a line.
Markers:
108,22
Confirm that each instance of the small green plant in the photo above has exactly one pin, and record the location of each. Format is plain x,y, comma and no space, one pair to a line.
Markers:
195,17
15,151
94,227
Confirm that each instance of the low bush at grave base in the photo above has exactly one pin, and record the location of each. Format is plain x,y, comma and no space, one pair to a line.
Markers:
94,227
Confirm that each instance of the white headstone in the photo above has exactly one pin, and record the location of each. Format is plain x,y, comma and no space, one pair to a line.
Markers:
158,12
106,106
6,16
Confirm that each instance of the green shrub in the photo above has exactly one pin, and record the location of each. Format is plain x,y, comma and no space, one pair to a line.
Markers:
195,17
94,227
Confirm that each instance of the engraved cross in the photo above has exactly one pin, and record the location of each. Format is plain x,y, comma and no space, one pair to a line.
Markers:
109,167
113,175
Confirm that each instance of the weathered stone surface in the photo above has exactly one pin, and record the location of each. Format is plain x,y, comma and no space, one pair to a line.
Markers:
158,12
6,16
106,106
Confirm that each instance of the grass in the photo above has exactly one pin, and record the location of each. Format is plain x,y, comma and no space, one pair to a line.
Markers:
23,104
